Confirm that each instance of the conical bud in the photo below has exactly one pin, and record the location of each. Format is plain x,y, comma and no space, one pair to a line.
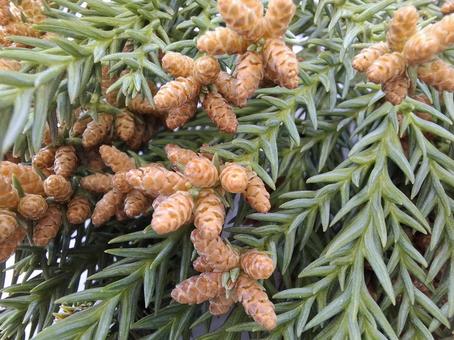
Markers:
79,210
175,93
402,27
115,159
248,73
438,74
242,16
8,225
47,227
177,64
65,161
220,112
278,17
256,194
222,41
209,214
227,87
386,67
201,172
179,116
96,131
198,289
106,207
258,265
221,304
396,89
80,125
106,82
365,58
124,126
177,155
206,70
234,178
58,188
136,203
201,265
173,213
99,183
29,180
32,207
9,198
8,247
120,182
281,63
448,7
44,158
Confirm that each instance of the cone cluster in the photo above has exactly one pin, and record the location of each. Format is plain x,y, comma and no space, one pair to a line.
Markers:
405,46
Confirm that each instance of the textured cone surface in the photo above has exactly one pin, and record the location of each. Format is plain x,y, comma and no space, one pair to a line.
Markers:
8,225
256,194
201,172
365,58
218,254
80,125
154,180
115,159
386,67
227,87
9,65
124,126
106,207
140,105
438,74
47,227
220,112
222,41
198,289
32,207
278,17
99,183
79,210
136,203
249,73
396,89
177,64
221,304
136,141
120,214
257,264
255,302
177,155
242,16
173,213
175,93
9,198
234,178
8,247
106,82
281,63
433,39
120,182
96,131
206,70
448,7
179,116
201,265
44,158
58,188
209,214
65,161
29,180
402,27
158,200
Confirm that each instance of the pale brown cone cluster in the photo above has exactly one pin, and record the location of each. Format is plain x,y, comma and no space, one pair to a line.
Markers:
387,63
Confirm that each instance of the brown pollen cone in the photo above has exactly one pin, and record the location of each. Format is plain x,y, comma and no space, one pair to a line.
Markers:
221,304
234,178
179,116
124,126
65,161
201,265
173,213
249,73
448,7
438,74
99,183
242,16
206,69
222,41
32,207
136,203
218,254
201,172
198,289
278,17
257,264
44,158
96,131
402,27
386,67
220,112
8,247
178,155
281,63
29,180
115,159
8,224
120,182
209,214
227,87
255,302
177,64
365,58
58,187
9,198
396,89
106,82
79,210
47,227
175,93
154,180
106,207
256,194
80,125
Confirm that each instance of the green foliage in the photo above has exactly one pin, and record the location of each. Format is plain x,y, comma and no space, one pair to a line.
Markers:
356,183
